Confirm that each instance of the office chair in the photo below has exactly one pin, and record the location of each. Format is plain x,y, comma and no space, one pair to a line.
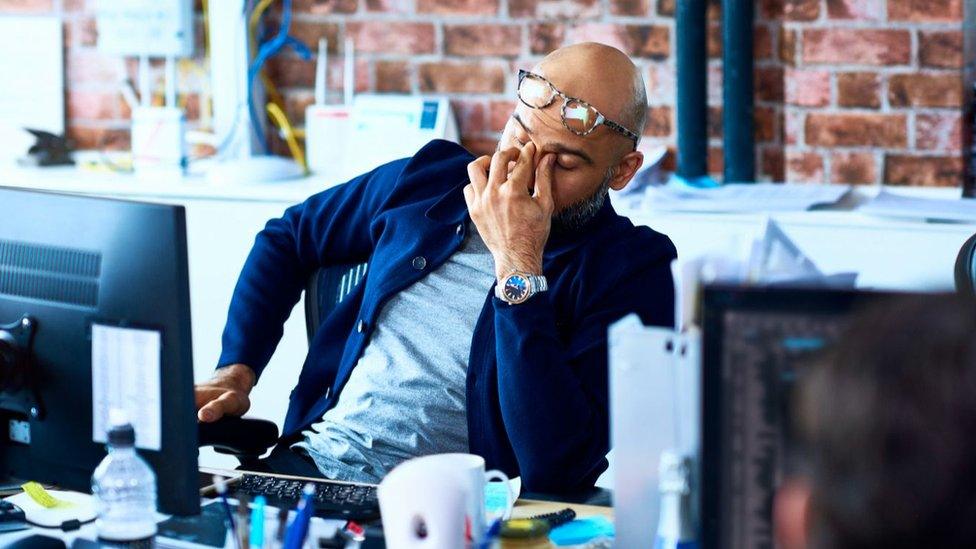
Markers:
965,270
248,439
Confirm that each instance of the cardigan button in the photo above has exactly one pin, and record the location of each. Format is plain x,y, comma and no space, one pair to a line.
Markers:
419,262
361,326
460,228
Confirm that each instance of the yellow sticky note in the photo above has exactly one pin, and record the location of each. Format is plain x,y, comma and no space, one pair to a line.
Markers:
42,497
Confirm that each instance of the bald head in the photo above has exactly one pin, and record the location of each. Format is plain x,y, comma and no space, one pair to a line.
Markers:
604,77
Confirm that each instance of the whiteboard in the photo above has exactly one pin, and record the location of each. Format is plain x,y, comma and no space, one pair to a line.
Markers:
157,28
32,86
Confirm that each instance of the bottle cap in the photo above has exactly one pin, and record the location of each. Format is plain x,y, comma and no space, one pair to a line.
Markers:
120,431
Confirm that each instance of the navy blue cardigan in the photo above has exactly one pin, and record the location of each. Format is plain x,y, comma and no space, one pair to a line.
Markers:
537,374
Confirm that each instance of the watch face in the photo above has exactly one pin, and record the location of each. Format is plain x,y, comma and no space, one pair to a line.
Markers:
516,288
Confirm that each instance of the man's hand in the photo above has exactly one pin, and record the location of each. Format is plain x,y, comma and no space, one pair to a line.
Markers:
512,211
225,394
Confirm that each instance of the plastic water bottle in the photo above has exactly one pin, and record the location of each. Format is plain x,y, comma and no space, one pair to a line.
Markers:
675,528
125,490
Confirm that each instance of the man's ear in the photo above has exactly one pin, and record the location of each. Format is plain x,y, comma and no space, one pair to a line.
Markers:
625,169
791,514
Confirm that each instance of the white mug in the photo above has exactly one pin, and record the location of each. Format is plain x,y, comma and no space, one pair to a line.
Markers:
422,508
471,470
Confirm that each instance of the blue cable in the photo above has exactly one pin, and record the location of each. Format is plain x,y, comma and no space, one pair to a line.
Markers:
265,52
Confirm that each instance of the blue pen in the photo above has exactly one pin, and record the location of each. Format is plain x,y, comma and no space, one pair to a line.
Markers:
298,530
257,522
221,487
492,533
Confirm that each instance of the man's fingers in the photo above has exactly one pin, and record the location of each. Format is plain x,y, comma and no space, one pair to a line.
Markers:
203,395
478,172
498,172
543,180
523,173
229,403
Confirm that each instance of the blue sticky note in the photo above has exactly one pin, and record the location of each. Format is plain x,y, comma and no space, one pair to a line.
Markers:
582,530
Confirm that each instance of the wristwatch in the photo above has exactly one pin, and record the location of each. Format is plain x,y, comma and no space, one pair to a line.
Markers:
518,287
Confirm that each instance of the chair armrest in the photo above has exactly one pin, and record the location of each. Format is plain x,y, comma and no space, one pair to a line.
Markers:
238,436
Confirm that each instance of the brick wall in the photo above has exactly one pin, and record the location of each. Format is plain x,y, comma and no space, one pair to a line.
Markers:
861,91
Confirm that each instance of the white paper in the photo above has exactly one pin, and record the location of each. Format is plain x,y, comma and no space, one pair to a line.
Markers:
752,197
32,87
145,27
894,205
126,376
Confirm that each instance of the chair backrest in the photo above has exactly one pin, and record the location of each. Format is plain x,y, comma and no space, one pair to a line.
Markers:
326,289
965,271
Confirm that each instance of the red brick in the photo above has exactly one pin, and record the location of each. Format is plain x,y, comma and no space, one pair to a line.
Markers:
926,171
942,132
713,40
72,6
859,89
87,137
499,113
390,6
546,37
449,77
713,121
801,10
393,76
716,160
860,46
940,49
81,32
296,101
861,10
804,167
853,167
289,72
769,83
651,41
665,7
772,163
764,119
555,9
479,146
323,7
762,46
770,9
924,10
787,47
471,116
94,105
391,37
458,7
925,90
807,88
483,39
309,33
630,7
793,121
851,130
658,122
26,6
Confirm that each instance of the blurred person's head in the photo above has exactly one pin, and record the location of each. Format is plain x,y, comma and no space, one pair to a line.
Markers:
886,434
586,166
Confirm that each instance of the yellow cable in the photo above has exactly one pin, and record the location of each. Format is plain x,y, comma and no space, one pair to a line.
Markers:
253,22
282,122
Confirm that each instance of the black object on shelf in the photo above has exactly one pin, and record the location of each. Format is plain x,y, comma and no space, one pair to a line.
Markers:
739,142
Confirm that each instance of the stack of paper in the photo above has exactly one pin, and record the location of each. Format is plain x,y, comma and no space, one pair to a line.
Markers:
895,205
752,197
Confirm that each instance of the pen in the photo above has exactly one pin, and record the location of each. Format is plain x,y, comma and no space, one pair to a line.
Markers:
221,487
243,528
257,522
298,530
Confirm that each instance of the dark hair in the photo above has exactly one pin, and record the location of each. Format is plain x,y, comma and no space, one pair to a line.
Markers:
887,429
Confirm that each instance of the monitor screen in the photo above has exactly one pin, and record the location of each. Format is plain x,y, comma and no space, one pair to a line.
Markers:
756,343
95,315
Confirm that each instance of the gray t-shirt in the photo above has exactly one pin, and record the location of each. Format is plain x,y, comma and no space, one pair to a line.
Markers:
406,396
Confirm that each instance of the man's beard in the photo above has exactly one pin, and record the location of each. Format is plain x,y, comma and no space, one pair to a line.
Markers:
575,216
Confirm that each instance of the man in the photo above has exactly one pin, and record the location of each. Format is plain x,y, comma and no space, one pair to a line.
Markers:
425,357
886,454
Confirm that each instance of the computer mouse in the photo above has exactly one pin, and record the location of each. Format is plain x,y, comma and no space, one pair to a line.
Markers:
36,542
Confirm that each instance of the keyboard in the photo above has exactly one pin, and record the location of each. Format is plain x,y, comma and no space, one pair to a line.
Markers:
334,500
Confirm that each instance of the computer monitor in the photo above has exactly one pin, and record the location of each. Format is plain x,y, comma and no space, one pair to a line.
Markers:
95,314
756,341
